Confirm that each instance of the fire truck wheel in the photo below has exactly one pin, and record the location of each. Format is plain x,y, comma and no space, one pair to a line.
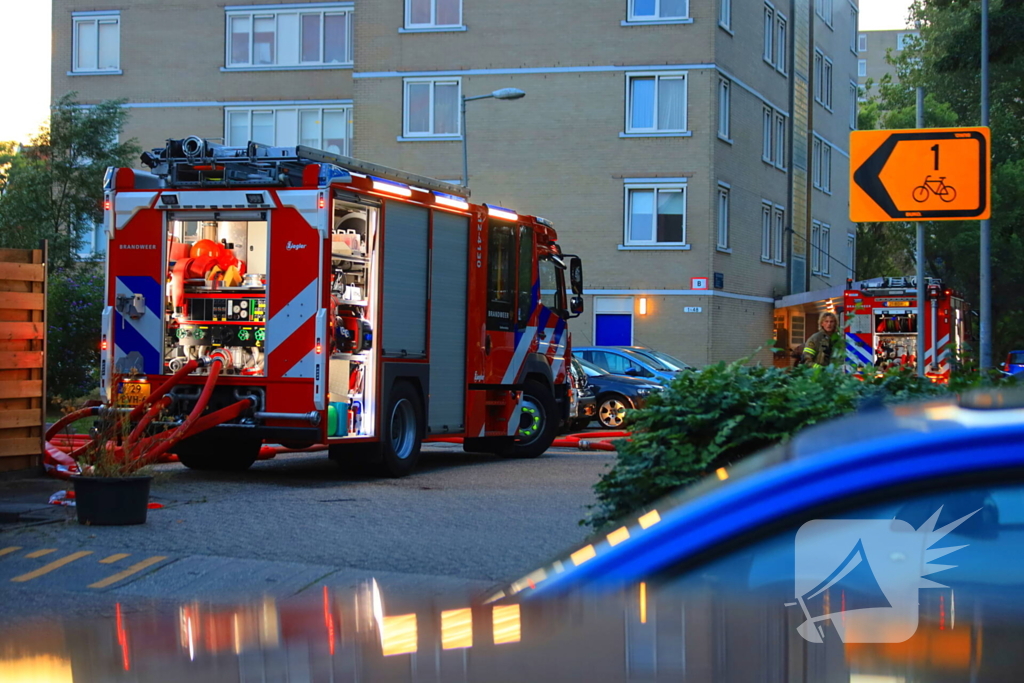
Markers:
218,455
538,422
403,431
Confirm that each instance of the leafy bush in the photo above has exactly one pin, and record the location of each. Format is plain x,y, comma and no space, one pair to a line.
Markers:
74,307
712,418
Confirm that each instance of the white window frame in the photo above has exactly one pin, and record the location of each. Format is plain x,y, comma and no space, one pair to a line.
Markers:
282,113
724,109
815,248
780,141
823,8
778,233
862,42
819,61
282,62
633,18
901,40
79,19
676,185
723,217
766,230
862,68
854,104
768,135
816,146
725,15
826,94
419,135
658,76
781,40
826,167
768,54
432,25
854,25
826,249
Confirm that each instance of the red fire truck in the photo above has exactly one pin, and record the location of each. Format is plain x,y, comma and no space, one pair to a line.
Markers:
337,301
881,326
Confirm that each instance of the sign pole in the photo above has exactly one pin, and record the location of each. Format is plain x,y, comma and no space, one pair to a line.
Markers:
920,260
986,263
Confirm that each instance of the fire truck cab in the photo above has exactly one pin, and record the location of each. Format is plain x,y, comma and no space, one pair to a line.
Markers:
346,303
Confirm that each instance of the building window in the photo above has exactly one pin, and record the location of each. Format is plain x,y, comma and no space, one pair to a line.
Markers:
821,161
429,14
326,128
780,43
778,234
725,15
723,108
766,231
290,38
854,14
780,141
97,43
823,8
822,79
655,10
431,107
905,40
723,216
862,68
815,247
854,99
851,256
826,258
656,214
862,42
769,34
656,103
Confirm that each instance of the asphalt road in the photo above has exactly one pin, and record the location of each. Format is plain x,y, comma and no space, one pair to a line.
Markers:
459,525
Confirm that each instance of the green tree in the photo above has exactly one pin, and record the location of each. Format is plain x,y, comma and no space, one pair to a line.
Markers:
53,189
946,63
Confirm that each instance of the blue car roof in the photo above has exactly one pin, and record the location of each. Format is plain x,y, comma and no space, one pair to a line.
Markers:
834,461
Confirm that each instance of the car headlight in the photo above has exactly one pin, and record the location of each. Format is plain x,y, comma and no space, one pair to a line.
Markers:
643,391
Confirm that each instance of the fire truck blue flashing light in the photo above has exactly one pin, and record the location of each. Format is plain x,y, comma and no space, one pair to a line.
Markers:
501,212
390,186
451,201
330,173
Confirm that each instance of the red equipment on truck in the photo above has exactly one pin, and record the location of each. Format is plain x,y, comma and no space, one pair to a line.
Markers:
343,303
881,326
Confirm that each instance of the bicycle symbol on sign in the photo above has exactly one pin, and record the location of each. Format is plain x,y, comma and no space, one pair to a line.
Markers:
940,189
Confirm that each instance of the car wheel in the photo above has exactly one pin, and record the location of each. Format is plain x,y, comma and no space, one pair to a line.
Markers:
218,454
611,410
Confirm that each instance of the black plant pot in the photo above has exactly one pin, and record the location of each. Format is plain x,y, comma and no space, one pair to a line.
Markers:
112,501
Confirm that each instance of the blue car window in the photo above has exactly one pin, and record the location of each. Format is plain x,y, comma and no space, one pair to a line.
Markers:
904,587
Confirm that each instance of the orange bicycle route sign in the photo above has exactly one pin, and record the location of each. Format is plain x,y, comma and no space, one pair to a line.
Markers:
925,174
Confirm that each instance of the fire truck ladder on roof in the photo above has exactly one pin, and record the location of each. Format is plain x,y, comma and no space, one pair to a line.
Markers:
195,161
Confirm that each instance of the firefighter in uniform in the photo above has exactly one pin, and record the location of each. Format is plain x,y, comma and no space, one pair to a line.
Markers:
818,350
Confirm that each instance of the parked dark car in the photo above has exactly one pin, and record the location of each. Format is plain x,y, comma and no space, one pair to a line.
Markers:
1014,363
660,356
616,394
583,401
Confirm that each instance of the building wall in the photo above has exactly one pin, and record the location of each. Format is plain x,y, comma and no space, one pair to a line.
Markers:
560,152
879,44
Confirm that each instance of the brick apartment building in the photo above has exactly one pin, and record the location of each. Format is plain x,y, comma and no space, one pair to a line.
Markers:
676,145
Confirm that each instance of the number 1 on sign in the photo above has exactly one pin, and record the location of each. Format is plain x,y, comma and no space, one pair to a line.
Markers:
935,148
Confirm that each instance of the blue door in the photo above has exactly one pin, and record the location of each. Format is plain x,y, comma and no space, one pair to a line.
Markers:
614,329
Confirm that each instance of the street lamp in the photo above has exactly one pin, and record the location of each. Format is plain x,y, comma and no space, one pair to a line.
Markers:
501,94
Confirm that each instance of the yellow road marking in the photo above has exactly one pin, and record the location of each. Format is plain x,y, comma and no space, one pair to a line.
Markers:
114,558
40,553
9,550
56,564
137,567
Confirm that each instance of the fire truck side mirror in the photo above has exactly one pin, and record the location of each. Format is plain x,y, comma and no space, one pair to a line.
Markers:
576,305
934,291
576,276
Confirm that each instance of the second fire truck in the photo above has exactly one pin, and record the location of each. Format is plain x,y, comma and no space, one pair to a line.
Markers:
337,302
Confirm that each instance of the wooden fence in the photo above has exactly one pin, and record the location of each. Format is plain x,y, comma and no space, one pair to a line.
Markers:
22,357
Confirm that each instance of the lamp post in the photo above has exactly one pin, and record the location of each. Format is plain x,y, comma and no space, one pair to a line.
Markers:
502,94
